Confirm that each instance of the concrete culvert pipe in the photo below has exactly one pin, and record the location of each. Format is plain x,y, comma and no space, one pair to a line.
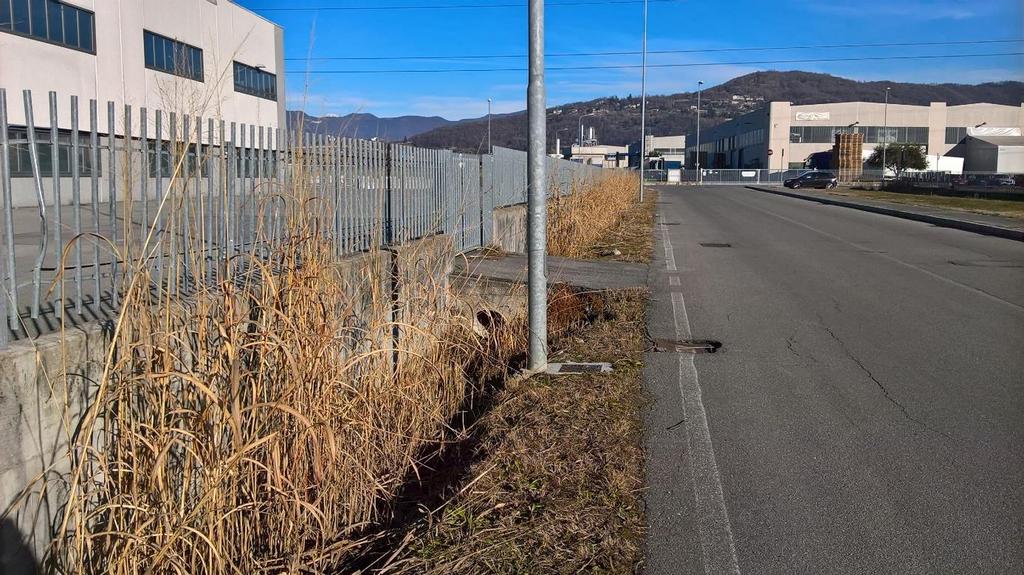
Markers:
488,320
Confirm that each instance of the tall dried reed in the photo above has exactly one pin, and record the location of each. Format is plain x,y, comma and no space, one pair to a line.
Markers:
259,423
579,220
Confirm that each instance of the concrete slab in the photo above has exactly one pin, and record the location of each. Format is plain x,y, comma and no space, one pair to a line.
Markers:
595,275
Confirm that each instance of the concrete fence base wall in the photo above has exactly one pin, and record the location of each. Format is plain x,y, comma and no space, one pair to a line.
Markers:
510,228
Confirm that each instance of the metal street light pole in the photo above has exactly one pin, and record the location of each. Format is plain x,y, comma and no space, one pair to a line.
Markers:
700,175
643,108
885,131
536,160
489,148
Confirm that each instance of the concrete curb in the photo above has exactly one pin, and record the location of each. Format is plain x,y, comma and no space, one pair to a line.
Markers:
978,228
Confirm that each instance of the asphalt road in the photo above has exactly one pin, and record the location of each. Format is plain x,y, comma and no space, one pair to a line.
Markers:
866,413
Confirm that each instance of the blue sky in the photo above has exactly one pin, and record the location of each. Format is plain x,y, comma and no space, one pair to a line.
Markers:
615,27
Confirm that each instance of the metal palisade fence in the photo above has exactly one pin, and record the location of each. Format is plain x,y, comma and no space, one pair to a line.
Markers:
86,187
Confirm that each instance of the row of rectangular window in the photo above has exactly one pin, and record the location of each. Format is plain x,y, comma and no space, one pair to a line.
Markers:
21,158
247,165
872,134
255,82
51,21
737,142
173,57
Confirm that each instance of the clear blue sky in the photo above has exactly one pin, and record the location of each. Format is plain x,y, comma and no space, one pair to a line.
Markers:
611,27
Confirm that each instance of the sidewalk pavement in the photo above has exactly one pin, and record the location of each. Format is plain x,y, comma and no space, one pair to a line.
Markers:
997,226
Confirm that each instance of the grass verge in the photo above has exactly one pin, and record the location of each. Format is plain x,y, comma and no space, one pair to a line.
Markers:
971,205
556,473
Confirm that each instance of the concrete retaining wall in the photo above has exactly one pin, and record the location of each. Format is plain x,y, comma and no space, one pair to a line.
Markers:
510,229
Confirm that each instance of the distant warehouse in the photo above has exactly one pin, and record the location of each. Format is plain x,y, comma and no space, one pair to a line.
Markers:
205,57
782,135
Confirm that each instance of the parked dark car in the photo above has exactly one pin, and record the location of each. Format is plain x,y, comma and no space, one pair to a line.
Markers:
812,180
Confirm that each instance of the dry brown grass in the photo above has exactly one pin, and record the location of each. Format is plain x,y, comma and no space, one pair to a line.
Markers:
252,426
557,474
1005,208
579,221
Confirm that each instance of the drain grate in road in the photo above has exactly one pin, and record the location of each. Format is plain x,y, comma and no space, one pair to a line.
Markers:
687,346
571,368
715,245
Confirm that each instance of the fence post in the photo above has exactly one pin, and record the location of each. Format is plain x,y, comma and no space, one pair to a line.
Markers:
389,232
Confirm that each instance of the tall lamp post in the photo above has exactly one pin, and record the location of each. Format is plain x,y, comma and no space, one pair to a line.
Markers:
489,148
700,175
885,131
643,107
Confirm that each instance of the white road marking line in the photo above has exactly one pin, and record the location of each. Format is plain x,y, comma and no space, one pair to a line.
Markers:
717,546
674,281
670,256
892,259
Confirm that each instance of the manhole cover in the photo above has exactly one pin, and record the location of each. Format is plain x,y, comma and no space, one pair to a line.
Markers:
986,264
570,368
687,346
714,245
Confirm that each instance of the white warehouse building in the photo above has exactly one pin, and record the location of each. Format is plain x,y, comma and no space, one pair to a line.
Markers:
783,135
208,58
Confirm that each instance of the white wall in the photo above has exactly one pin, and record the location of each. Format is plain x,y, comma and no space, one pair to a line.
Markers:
117,71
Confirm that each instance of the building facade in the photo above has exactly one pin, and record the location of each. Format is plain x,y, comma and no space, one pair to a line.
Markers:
208,58
781,135
600,155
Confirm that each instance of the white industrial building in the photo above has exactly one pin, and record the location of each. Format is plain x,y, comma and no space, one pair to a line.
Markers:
782,135
1002,154
210,58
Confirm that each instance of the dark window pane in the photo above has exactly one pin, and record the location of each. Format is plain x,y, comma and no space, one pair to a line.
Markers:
197,64
5,14
147,47
158,53
85,31
21,23
56,24
70,26
38,18
169,60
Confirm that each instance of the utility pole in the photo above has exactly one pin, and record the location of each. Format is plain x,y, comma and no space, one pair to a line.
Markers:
700,174
489,148
643,107
885,131
536,161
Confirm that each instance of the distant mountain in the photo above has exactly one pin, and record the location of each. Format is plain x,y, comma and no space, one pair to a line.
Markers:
618,119
367,126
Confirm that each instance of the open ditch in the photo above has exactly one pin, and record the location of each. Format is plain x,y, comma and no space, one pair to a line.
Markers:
447,466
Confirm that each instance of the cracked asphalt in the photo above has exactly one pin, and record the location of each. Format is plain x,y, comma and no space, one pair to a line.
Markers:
866,413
